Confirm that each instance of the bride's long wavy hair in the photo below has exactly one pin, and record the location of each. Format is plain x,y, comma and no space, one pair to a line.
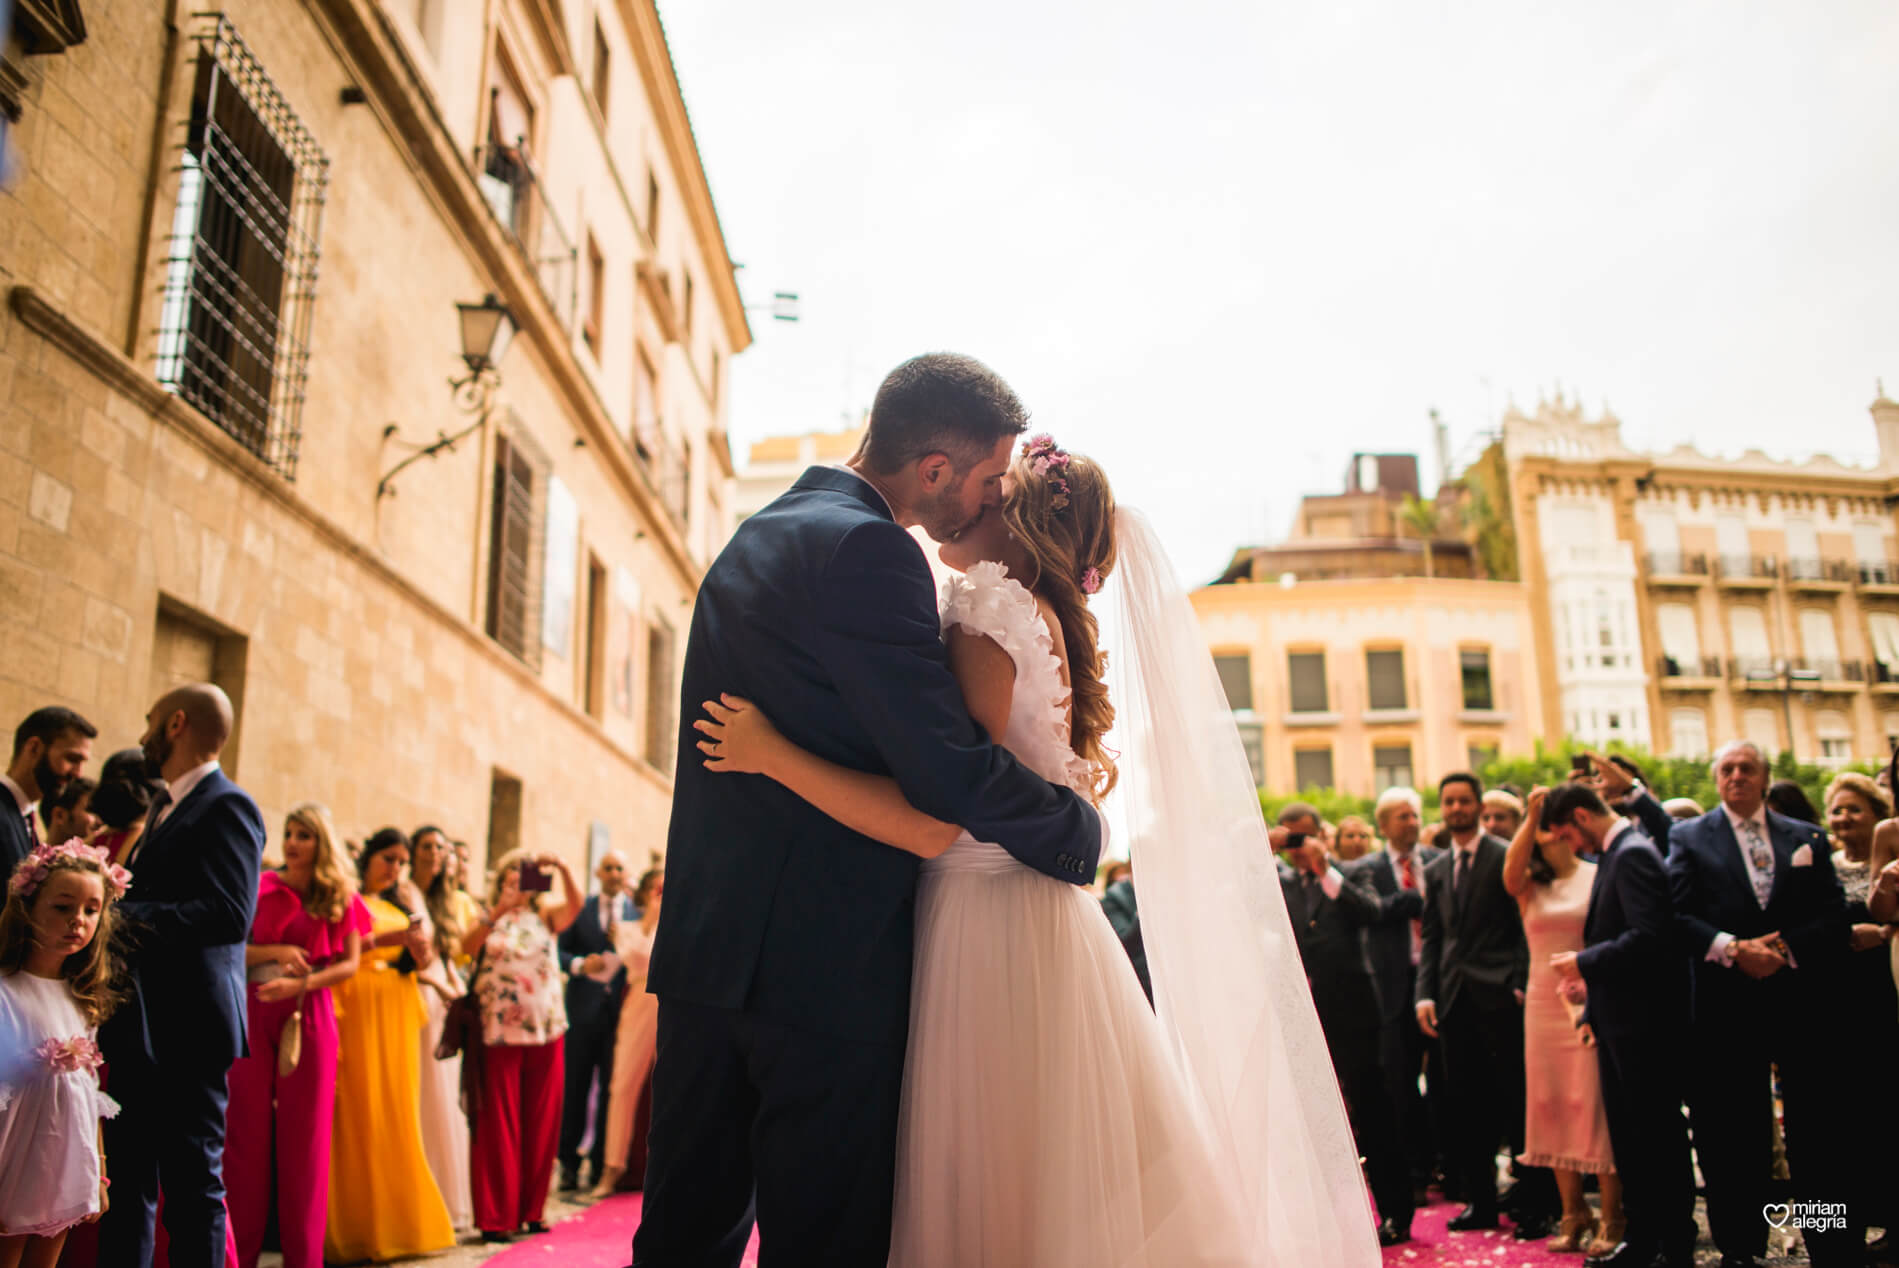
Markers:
1064,545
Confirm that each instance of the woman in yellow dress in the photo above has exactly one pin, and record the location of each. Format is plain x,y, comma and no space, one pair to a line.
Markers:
384,1202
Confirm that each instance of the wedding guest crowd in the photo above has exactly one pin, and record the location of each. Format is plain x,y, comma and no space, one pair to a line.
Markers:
268,1030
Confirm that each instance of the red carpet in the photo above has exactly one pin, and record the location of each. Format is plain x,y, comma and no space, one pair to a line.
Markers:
602,1237
1431,1243
599,1237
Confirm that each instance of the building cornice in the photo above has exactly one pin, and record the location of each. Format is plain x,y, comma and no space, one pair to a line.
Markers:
648,36
120,374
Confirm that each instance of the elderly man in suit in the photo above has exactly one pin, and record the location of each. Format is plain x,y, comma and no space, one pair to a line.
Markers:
1393,941
1327,913
1763,915
50,747
1473,968
1635,985
172,1042
593,1016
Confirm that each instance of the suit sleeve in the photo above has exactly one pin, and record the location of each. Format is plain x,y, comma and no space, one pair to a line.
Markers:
1655,821
881,643
567,946
1395,908
1695,932
231,853
1819,938
1431,938
1356,899
1641,890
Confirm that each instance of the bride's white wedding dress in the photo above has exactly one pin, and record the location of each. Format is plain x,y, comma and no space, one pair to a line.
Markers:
1046,1120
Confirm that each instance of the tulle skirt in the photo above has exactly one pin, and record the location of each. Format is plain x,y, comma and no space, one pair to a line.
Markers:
1044,1122
444,1127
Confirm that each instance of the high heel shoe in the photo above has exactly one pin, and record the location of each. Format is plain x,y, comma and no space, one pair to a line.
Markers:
1613,1234
609,1181
1575,1234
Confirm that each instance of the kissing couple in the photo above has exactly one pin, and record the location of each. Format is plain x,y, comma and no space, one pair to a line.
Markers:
894,1024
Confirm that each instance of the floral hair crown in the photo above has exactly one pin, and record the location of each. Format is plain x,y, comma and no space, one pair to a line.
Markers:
34,868
1050,461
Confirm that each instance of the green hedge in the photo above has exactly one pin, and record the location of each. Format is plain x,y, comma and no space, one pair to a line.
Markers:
1666,776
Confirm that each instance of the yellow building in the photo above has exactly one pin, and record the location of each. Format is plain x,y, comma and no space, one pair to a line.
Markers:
773,465
1347,667
233,262
1690,599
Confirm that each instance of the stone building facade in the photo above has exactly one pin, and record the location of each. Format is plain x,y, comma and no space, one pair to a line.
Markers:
232,262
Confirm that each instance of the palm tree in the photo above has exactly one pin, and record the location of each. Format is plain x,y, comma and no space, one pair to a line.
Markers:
1419,516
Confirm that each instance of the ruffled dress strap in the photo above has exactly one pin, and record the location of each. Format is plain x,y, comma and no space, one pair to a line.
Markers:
986,600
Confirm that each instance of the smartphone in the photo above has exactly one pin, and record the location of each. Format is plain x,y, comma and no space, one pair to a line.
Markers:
1581,767
535,879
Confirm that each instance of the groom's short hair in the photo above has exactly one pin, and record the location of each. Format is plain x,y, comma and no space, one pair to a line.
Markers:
940,403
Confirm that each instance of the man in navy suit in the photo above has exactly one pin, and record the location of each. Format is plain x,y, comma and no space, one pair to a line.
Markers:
172,1042
1327,913
50,748
1635,985
593,1016
1473,969
1762,913
783,964
1394,941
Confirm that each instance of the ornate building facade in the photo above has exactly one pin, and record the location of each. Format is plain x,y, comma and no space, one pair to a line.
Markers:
229,443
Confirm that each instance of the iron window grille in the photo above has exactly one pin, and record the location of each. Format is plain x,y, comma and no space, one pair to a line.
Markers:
241,268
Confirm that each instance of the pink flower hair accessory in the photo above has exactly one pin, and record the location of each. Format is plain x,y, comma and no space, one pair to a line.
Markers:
1050,461
1091,581
35,867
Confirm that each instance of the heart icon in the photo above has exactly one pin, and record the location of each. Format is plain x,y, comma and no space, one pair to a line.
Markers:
1777,1213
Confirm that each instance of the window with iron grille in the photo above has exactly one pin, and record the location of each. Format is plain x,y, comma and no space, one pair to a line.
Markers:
1474,666
240,275
662,720
1384,675
515,546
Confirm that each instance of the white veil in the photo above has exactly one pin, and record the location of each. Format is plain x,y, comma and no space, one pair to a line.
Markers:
1229,988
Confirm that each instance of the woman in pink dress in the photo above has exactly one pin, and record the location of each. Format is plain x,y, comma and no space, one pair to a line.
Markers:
307,936
1564,1125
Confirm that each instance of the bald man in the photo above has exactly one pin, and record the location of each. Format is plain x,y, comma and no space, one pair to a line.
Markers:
171,1044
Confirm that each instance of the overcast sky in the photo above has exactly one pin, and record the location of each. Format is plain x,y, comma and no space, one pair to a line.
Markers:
1221,246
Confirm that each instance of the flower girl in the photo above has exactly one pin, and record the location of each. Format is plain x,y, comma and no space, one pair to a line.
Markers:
56,986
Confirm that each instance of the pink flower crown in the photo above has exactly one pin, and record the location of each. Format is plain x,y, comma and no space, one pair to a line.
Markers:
1050,461
34,868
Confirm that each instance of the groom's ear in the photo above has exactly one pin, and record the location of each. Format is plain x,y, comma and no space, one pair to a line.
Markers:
934,470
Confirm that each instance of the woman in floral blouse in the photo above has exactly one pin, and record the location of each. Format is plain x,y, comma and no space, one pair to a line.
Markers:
523,1018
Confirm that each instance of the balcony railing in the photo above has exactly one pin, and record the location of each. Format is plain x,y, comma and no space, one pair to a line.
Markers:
1882,674
1746,567
1675,564
1878,574
1688,667
1831,670
1801,673
1828,570
518,198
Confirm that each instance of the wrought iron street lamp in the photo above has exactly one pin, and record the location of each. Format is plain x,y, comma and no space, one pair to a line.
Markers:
486,330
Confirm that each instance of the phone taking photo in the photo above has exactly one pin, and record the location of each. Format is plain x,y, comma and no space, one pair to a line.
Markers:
535,879
1580,767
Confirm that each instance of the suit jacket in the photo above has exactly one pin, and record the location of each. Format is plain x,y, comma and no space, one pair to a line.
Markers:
1327,930
823,611
1475,950
1656,822
1709,884
16,838
591,1003
1388,936
1639,979
1124,915
188,917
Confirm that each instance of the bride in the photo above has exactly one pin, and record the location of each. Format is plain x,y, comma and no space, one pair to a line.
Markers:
1048,1117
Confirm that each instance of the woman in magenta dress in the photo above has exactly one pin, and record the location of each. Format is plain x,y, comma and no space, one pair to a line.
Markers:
1564,1125
307,936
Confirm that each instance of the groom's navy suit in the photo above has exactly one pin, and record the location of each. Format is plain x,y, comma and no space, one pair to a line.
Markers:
171,1043
782,964
1640,988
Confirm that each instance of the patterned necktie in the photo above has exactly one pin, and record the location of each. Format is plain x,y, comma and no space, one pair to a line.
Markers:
33,829
611,906
1409,880
1762,857
1309,891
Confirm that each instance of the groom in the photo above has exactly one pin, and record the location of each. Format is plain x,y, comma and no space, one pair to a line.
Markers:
783,963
